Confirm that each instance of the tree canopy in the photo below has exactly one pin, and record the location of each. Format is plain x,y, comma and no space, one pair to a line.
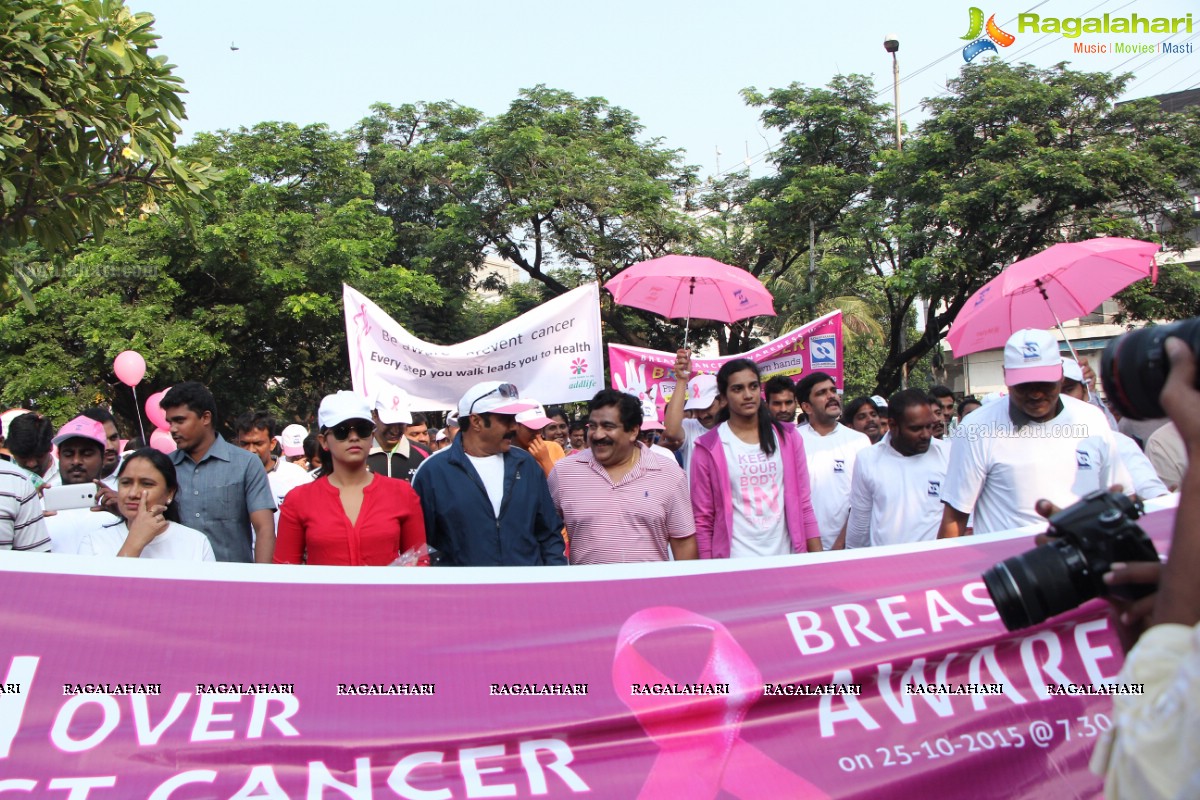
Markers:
88,120
242,289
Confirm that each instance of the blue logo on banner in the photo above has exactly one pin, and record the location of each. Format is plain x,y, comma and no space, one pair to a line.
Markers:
839,465
822,351
1084,459
935,488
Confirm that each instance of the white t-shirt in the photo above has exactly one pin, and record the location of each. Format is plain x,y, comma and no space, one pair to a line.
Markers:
177,542
285,477
692,430
491,472
895,499
664,452
830,468
756,489
999,472
1145,480
67,527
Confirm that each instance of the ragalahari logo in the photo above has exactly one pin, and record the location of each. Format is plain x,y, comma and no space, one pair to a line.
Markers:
992,36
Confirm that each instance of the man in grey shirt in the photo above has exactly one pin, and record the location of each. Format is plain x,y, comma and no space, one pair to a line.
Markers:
223,490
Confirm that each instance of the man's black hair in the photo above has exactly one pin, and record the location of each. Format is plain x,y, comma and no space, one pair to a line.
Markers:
855,406
779,384
195,396
256,421
969,400
29,435
418,418
939,391
628,407
805,386
99,414
577,425
905,399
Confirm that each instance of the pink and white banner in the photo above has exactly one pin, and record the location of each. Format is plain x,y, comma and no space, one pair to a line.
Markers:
879,674
815,347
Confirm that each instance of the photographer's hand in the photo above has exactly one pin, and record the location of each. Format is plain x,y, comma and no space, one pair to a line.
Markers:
1133,616
1179,598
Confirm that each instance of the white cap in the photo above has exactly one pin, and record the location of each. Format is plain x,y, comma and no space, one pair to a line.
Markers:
342,406
8,416
492,397
1031,356
391,404
1072,371
441,435
291,440
535,418
992,397
702,391
878,401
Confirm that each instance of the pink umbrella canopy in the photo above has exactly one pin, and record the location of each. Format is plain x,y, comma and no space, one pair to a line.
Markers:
1065,281
692,286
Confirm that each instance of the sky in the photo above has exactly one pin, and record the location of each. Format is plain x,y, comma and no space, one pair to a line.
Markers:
679,66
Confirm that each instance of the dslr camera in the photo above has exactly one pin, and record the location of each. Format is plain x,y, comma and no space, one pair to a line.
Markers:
1090,537
1134,367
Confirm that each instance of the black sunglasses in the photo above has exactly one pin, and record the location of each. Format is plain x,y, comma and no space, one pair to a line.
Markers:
341,431
505,390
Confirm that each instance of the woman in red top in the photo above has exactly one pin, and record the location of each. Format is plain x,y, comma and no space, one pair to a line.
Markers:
349,516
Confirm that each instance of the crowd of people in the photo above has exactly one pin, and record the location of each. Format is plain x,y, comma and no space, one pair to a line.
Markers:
736,467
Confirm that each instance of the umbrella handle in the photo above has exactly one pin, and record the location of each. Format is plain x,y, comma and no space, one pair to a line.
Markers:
687,324
1057,322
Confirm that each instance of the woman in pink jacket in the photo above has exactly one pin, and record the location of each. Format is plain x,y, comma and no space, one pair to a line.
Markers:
750,489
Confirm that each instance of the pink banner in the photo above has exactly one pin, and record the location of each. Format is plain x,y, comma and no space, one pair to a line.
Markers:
885,674
815,347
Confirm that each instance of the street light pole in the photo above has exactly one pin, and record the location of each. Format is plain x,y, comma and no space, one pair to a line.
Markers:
891,43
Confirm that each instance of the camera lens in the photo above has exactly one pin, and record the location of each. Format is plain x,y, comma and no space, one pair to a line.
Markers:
1134,367
1032,587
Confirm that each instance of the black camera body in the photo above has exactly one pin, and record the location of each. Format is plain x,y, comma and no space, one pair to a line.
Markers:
1090,536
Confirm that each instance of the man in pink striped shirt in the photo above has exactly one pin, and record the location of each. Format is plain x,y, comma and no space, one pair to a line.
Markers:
621,502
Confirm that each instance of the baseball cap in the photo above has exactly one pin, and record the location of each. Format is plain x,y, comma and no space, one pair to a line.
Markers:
878,401
492,397
535,418
702,391
341,406
82,428
1031,356
291,440
391,404
1072,371
650,416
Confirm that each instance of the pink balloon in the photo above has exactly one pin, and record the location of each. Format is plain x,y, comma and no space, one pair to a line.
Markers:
154,411
161,441
130,367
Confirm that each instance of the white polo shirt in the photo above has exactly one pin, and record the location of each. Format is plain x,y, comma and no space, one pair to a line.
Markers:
896,499
830,468
999,471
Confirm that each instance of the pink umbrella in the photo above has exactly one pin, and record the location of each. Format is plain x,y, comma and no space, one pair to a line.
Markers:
1065,281
692,286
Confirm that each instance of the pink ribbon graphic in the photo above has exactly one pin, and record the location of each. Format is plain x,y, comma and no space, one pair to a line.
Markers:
699,736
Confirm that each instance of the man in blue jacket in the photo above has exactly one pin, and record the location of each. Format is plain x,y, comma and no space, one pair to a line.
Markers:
486,503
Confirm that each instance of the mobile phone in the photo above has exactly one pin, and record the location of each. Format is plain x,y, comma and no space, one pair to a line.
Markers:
62,498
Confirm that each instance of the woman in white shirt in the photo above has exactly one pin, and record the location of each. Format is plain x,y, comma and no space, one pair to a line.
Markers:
149,526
